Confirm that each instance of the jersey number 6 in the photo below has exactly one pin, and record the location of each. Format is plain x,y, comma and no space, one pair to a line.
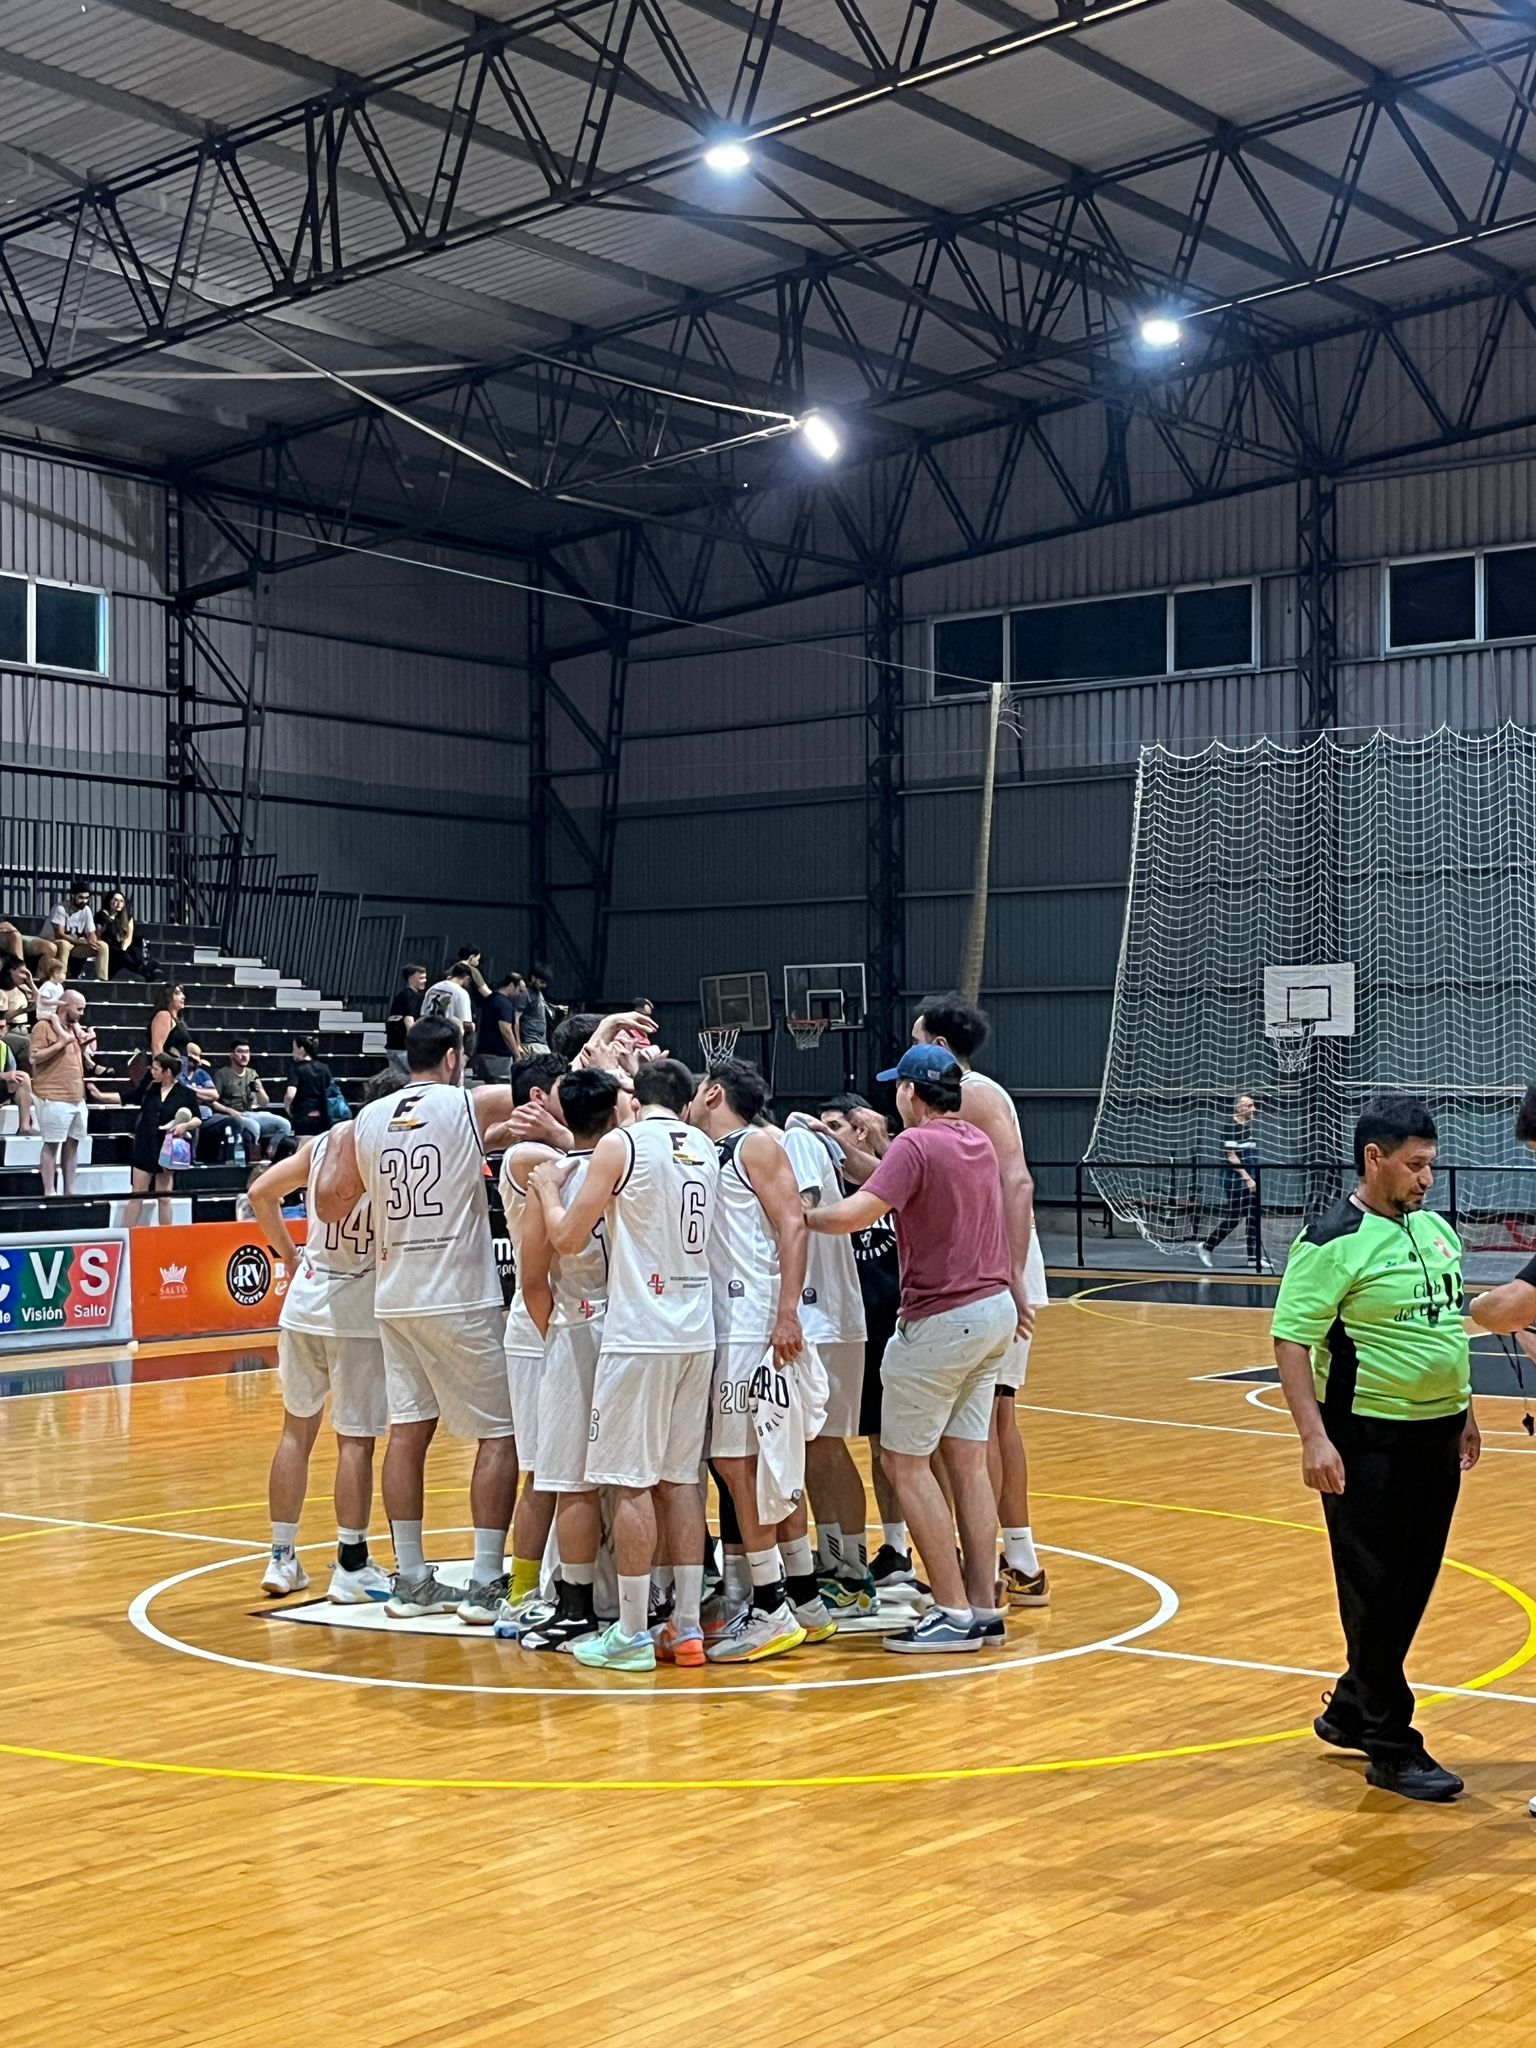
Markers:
692,1217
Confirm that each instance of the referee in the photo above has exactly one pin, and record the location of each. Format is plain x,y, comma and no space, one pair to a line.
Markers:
1375,1368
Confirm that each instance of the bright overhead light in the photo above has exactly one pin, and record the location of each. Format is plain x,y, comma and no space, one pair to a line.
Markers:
1161,331
821,437
728,158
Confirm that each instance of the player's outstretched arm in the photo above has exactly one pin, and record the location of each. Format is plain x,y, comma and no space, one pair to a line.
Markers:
1505,1309
570,1228
338,1185
286,1177
854,1212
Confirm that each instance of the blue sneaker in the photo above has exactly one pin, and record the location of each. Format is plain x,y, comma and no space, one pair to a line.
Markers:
615,1651
936,1633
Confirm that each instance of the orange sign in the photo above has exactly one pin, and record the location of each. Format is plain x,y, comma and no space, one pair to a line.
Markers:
206,1279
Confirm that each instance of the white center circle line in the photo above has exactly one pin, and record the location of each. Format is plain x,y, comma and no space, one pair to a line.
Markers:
1167,1607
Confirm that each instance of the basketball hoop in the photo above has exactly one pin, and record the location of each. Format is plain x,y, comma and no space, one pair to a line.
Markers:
718,1043
806,1031
1291,1045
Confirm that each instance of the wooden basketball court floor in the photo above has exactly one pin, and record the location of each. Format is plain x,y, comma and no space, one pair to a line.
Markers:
223,1829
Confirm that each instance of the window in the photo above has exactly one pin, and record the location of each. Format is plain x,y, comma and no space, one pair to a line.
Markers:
1115,636
967,655
1510,594
1429,603
1213,628
53,625
13,618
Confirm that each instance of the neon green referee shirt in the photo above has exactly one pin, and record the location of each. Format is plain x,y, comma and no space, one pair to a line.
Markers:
1378,1304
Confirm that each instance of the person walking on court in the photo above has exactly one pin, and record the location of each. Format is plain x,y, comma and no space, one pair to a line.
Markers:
1375,1369
1241,1203
962,1305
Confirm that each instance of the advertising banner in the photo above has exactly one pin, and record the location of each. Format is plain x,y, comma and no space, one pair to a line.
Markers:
59,1289
206,1280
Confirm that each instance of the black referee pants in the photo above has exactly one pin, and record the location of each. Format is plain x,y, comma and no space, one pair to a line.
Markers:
1387,1531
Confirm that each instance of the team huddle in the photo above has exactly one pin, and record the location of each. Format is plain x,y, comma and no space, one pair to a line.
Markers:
699,1294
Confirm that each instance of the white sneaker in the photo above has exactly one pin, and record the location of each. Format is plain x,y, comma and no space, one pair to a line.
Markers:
284,1574
1202,1255
356,1589
756,1635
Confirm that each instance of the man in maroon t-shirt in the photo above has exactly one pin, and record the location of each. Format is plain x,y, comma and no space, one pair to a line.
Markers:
961,1307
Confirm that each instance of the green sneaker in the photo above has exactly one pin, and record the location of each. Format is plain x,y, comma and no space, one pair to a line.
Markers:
615,1651
849,1596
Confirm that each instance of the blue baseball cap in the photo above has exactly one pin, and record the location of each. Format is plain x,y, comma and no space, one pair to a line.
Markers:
923,1063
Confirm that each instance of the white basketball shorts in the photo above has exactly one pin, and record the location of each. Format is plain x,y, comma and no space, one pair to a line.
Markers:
650,1414
348,1370
450,1367
565,1408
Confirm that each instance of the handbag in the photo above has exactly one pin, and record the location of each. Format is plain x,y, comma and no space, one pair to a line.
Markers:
337,1107
175,1150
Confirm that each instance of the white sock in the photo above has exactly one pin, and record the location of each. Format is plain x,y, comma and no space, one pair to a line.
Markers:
688,1583
861,1554
578,1574
634,1603
284,1535
410,1556
738,1579
1019,1549
960,1615
490,1555
765,1566
799,1561
661,1578
829,1544
989,1614
895,1535
351,1535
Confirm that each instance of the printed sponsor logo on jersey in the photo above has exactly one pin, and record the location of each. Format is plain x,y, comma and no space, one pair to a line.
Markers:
587,1310
248,1275
808,1296
58,1286
656,1284
736,1289
682,1148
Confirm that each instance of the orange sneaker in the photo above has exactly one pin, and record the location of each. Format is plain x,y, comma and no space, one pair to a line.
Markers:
684,1647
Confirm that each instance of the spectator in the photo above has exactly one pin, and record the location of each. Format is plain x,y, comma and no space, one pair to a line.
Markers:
167,1031
125,949
450,996
496,1047
50,988
403,1012
167,1099
533,1015
72,928
306,1098
479,988
36,951
60,1045
18,993
242,1092
17,1083
219,1128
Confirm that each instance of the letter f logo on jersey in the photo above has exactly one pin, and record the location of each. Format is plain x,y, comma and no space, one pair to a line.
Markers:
656,1284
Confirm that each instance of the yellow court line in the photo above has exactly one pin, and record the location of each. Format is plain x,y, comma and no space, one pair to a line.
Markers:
975,1773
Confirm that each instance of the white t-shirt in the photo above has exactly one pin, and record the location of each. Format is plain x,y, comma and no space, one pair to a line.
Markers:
72,924
449,999
832,1303
421,1160
49,995
331,1295
579,1280
658,1228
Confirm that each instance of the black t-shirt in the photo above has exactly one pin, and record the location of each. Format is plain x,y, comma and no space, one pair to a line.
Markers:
874,1253
498,1010
311,1084
403,1013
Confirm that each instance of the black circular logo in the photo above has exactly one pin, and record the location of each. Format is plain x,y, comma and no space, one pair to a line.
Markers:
248,1275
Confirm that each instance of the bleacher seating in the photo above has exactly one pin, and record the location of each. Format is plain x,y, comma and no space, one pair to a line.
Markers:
227,998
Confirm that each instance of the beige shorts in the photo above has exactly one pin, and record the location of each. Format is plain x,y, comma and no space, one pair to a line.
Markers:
58,1122
939,1375
650,1415
348,1370
844,1366
449,1367
525,1369
565,1408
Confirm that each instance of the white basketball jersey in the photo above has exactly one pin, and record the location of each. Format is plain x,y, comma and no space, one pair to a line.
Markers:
522,1332
743,1254
579,1280
1034,1266
832,1302
421,1160
331,1294
658,1241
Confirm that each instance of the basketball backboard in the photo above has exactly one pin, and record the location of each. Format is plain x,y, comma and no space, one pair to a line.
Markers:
736,1002
836,992
1318,1000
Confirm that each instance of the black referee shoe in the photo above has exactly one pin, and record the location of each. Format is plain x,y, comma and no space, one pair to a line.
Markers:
1337,1734
1416,1776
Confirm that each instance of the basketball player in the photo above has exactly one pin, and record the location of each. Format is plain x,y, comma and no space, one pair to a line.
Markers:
832,1316
757,1263
654,1183
534,1082
566,1297
949,1020
327,1346
420,1157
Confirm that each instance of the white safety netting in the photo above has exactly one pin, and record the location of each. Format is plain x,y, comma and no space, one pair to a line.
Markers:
1414,859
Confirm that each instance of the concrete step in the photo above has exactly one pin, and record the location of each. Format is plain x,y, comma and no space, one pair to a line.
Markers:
23,1154
181,1212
